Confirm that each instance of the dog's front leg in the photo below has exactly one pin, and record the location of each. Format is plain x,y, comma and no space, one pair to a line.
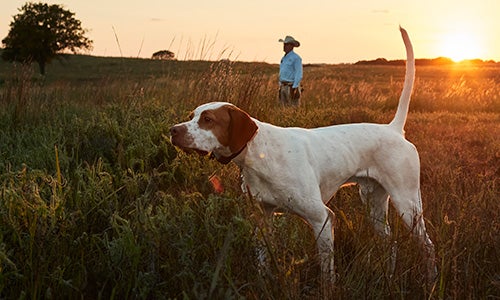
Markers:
262,236
262,245
324,232
322,223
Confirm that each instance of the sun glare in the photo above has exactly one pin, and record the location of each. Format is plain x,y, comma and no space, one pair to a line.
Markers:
461,45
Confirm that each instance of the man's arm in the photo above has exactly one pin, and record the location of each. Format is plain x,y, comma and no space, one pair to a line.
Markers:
298,72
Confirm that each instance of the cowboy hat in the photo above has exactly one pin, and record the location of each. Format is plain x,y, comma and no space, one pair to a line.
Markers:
290,40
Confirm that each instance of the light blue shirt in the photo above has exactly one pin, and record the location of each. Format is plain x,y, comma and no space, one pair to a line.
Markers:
291,69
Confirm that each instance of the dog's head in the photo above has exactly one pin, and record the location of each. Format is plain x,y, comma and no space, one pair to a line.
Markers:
219,128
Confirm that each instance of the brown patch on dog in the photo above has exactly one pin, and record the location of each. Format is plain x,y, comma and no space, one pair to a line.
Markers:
231,126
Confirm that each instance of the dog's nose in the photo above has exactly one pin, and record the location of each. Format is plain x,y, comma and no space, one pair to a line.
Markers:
177,130
177,134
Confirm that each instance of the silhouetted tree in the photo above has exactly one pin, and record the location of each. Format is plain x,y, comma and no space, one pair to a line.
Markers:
163,55
41,32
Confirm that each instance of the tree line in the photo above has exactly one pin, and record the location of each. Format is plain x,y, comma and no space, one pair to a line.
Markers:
439,61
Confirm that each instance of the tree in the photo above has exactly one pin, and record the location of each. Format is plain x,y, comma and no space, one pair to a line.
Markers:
163,55
41,32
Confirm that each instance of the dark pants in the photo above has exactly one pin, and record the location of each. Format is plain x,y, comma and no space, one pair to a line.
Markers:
289,95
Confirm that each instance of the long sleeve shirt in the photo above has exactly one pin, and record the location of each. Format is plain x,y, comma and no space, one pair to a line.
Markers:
291,69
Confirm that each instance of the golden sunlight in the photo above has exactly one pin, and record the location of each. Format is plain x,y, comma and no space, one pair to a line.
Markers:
460,45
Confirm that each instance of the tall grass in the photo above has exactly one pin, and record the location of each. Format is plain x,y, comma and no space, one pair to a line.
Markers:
96,202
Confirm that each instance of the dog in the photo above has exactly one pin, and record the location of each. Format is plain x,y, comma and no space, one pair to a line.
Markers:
299,170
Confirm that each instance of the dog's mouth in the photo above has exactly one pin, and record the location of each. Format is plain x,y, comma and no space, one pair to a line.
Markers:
203,153
193,150
180,143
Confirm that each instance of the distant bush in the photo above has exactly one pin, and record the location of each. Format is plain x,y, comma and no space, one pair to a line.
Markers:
163,55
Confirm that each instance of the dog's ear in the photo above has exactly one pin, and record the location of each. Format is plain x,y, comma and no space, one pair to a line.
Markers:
241,129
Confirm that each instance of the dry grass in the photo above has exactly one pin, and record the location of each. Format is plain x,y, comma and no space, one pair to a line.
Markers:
118,213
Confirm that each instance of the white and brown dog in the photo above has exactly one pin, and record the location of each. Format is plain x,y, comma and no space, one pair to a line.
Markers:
299,170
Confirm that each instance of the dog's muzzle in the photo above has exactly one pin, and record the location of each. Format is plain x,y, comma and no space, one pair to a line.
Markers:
180,137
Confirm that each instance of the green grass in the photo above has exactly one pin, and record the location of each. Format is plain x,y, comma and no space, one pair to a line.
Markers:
96,203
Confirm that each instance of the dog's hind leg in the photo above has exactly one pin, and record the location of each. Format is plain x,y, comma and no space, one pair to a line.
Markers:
409,206
376,199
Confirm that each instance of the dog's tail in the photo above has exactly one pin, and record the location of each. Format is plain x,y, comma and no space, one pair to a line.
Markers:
398,123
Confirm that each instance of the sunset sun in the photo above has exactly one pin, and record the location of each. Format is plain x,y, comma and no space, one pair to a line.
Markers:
461,45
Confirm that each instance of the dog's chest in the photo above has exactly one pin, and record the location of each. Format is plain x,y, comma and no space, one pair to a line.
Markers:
266,189
254,186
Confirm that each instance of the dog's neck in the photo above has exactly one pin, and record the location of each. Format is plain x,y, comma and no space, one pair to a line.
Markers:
227,159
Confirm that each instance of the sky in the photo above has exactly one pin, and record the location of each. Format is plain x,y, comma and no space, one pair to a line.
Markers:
330,31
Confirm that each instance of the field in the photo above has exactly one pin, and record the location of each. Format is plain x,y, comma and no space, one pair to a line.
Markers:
97,204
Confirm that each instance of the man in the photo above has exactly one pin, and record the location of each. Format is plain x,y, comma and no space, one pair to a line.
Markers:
290,73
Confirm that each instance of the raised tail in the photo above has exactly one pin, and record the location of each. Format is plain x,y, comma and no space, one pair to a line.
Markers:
398,123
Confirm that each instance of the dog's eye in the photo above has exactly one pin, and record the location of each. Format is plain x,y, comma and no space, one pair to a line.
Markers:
207,120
